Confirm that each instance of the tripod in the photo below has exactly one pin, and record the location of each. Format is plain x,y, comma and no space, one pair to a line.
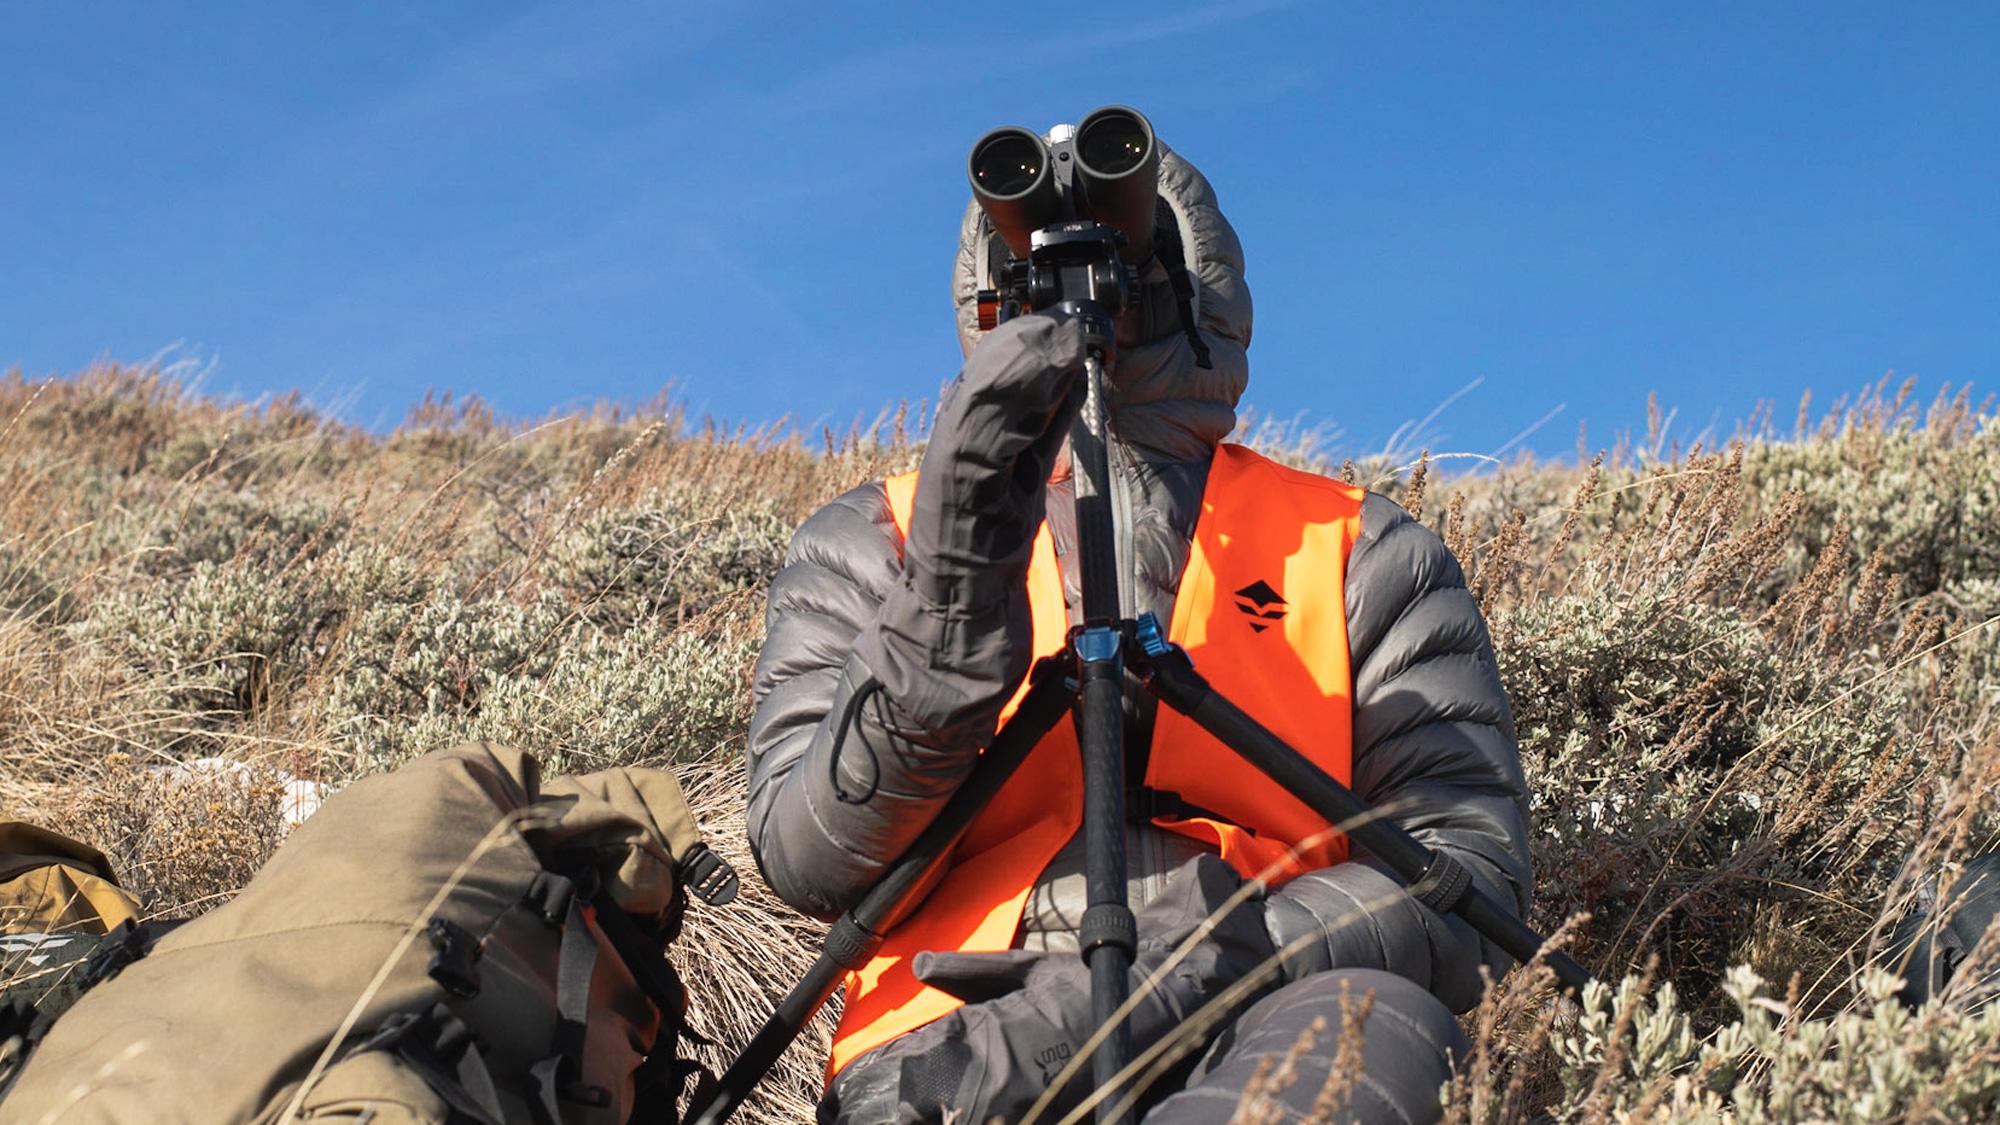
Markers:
1088,680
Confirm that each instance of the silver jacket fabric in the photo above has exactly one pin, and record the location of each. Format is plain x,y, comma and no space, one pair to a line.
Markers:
1434,745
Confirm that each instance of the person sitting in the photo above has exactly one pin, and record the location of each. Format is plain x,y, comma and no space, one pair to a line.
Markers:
900,630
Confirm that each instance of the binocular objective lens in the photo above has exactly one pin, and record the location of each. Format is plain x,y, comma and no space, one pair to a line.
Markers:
1112,145
1007,164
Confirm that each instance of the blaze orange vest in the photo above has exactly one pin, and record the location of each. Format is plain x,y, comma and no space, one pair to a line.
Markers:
1261,610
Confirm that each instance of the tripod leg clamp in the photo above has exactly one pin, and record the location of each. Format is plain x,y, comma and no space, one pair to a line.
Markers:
1443,883
849,944
1108,923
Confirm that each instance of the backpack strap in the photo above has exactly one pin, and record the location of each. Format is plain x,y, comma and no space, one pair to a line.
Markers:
455,965
662,1078
21,1030
559,1077
129,943
659,1082
438,1046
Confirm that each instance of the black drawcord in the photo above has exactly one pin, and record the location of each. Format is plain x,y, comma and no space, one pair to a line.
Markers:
1167,236
867,687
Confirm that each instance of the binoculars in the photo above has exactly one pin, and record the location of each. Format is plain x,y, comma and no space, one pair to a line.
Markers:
1106,171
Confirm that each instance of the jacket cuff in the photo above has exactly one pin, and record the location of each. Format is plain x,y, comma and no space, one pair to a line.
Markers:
1357,916
949,672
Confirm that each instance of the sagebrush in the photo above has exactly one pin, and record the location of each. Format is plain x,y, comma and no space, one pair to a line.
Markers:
1756,688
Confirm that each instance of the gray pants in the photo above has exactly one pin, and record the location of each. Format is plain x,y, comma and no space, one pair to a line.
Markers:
1284,1056
1408,1044
1931,943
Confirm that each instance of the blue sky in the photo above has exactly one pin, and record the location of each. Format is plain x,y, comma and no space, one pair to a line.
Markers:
1573,205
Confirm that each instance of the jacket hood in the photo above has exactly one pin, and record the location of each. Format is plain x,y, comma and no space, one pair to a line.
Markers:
1160,400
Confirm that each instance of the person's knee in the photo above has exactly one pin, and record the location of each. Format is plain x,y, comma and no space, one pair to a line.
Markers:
1403,1039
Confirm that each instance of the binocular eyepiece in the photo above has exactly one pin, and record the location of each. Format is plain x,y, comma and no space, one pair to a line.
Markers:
1107,171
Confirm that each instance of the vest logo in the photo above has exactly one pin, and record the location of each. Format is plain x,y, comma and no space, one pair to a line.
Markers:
1261,605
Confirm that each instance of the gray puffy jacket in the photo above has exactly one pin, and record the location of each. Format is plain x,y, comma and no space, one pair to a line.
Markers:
1433,742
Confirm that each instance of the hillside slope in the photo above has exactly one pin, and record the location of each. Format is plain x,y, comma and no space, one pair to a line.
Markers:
1756,686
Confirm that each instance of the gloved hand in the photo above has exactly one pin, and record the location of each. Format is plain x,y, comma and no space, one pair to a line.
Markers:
979,491
1029,1012
1355,915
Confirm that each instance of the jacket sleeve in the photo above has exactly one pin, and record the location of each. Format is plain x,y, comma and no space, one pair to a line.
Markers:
827,814
1434,750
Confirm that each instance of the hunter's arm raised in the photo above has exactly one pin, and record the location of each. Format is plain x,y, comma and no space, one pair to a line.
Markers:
929,631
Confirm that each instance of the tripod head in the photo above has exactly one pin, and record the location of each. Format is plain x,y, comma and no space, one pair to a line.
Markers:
1072,268
1075,213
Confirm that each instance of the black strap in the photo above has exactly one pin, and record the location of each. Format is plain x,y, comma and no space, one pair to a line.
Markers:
658,1083
559,1078
19,1017
549,896
1173,256
647,964
1145,803
129,943
660,1080
23,1027
439,1047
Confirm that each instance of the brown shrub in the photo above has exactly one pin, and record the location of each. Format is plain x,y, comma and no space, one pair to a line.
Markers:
1756,687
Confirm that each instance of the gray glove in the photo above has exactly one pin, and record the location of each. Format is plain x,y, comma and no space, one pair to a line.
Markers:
953,641
1355,915
1029,1012
979,494
883,676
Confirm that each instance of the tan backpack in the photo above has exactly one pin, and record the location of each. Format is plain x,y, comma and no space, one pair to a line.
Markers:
58,898
51,884
453,942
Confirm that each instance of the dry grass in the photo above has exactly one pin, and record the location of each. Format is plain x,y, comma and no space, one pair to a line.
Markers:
1756,685
747,957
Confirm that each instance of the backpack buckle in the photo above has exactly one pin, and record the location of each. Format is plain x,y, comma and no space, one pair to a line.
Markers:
456,963
549,897
123,946
708,876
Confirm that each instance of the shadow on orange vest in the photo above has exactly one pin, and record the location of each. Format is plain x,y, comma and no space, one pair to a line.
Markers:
1261,610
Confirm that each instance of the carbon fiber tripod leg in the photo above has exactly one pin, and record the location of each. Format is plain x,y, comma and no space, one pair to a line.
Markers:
1433,878
858,934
